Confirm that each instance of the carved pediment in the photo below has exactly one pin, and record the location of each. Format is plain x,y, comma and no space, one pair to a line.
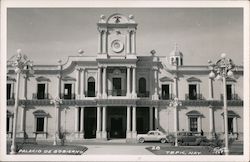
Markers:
166,79
194,113
193,79
40,113
231,80
42,79
68,78
230,113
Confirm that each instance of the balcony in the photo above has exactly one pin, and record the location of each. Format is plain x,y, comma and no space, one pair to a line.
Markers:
143,94
197,96
231,97
37,96
67,96
117,92
90,93
167,97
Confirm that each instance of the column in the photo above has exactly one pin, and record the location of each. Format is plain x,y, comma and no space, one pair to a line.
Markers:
134,132
98,127
128,82
77,122
104,80
104,45
22,122
176,124
100,42
78,80
99,82
59,86
133,42
211,122
82,123
235,128
128,136
45,126
199,123
25,86
151,118
176,87
134,95
156,96
128,42
83,84
104,123
156,118
210,89
11,124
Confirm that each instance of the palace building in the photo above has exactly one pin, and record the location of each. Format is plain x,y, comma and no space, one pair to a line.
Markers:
119,94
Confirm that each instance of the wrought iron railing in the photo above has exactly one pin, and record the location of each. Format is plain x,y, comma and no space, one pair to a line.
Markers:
143,94
230,97
117,92
197,96
67,96
90,93
167,97
37,96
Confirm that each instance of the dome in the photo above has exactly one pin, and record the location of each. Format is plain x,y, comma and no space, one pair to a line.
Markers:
176,52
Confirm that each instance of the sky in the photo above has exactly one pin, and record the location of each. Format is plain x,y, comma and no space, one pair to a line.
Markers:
202,34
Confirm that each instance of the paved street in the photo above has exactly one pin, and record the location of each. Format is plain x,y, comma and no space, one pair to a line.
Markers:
120,147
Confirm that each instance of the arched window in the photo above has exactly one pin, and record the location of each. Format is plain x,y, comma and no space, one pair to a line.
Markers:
91,87
142,88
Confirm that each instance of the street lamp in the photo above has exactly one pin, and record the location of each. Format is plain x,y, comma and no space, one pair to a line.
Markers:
56,101
222,69
175,103
20,63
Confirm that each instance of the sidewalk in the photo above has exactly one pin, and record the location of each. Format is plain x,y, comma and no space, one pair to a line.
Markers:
116,150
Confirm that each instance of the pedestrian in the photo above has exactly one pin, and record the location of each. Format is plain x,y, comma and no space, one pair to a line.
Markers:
202,132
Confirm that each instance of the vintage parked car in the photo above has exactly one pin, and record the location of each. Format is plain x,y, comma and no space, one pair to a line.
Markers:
152,136
190,138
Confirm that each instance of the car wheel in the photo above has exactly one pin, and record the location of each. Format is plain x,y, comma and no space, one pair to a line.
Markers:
163,140
141,140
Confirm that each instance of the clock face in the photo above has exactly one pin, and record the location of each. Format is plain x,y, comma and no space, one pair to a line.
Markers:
117,46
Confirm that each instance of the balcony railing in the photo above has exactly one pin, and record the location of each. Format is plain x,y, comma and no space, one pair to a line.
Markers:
90,93
37,96
198,96
230,97
117,92
167,97
68,96
143,94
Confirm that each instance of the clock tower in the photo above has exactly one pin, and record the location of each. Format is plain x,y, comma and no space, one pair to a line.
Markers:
117,37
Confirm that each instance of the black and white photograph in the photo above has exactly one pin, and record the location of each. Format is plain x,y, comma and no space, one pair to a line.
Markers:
123,81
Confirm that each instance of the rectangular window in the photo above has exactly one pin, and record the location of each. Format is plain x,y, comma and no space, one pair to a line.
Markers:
40,124
192,92
40,91
67,91
165,92
8,91
229,92
193,124
8,124
230,125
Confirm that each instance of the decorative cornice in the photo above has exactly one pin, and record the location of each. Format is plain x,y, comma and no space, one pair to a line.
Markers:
124,102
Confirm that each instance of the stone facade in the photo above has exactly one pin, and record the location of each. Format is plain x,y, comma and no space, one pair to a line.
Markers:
118,94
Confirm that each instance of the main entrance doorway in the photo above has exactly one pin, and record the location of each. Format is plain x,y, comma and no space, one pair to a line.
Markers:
90,122
116,127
